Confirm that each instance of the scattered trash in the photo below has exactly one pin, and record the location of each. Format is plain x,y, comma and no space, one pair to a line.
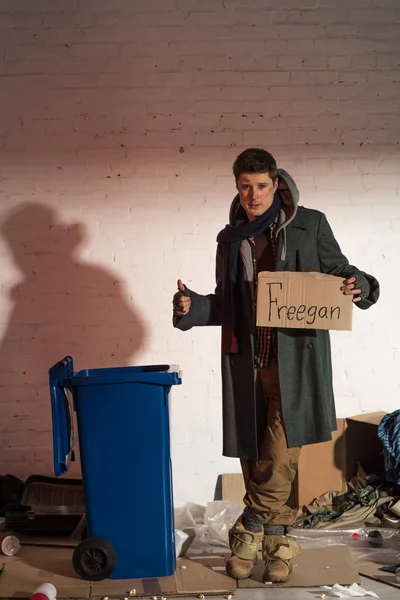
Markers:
342,591
183,567
105,598
45,590
321,596
201,596
10,545
268,582
132,593
228,597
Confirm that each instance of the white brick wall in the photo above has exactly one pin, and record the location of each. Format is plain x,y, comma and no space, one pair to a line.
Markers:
119,125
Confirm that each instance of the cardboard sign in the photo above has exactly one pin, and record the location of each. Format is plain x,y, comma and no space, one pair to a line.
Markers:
302,301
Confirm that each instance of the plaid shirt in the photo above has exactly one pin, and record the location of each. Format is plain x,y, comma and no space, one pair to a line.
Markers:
266,337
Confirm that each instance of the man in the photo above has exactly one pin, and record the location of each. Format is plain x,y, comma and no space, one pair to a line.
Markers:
277,383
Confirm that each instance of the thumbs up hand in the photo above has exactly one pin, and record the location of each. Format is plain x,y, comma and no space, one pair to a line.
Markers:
182,300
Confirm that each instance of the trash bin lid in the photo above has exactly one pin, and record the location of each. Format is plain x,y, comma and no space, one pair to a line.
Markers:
150,374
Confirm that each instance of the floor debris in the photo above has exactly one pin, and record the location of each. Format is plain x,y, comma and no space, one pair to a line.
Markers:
347,592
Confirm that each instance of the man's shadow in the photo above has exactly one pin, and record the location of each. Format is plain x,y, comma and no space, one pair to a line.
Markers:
60,306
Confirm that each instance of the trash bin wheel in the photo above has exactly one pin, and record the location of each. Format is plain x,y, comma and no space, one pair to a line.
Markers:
94,559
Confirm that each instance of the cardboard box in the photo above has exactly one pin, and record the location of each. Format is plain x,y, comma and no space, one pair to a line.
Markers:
321,468
302,301
363,444
329,465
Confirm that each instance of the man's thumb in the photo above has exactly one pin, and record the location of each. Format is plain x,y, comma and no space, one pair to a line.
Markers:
181,287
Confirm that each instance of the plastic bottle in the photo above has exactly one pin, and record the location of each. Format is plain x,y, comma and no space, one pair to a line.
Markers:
45,591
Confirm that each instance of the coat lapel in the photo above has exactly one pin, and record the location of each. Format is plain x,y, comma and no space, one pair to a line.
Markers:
294,239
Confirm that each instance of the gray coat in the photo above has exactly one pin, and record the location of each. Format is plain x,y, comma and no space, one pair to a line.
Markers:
305,242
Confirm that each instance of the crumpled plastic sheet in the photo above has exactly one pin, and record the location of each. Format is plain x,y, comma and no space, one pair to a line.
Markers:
354,590
362,548
360,532
189,516
210,525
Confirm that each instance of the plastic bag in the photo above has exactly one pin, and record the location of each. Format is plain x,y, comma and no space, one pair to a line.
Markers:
353,590
209,524
189,516
218,519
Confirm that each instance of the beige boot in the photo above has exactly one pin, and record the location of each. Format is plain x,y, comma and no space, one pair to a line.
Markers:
278,550
244,546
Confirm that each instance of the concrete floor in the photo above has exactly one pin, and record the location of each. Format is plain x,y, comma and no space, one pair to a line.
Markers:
385,592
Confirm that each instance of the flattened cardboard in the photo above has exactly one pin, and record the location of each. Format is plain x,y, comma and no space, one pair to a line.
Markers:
36,565
33,566
193,579
302,301
371,570
319,566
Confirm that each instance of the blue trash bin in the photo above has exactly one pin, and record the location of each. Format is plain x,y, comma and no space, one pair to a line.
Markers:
123,428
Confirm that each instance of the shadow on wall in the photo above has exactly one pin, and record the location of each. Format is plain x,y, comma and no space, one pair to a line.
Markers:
61,306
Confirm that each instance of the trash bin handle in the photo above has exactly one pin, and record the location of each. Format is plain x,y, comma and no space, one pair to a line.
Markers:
61,415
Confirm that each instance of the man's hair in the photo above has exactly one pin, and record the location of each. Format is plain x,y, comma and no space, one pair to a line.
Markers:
255,160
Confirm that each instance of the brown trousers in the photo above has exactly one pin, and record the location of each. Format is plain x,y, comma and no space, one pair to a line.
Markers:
269,480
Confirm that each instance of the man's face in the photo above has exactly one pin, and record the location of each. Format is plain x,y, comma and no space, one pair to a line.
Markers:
256,192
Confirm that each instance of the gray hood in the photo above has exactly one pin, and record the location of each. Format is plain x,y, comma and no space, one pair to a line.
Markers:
290,199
